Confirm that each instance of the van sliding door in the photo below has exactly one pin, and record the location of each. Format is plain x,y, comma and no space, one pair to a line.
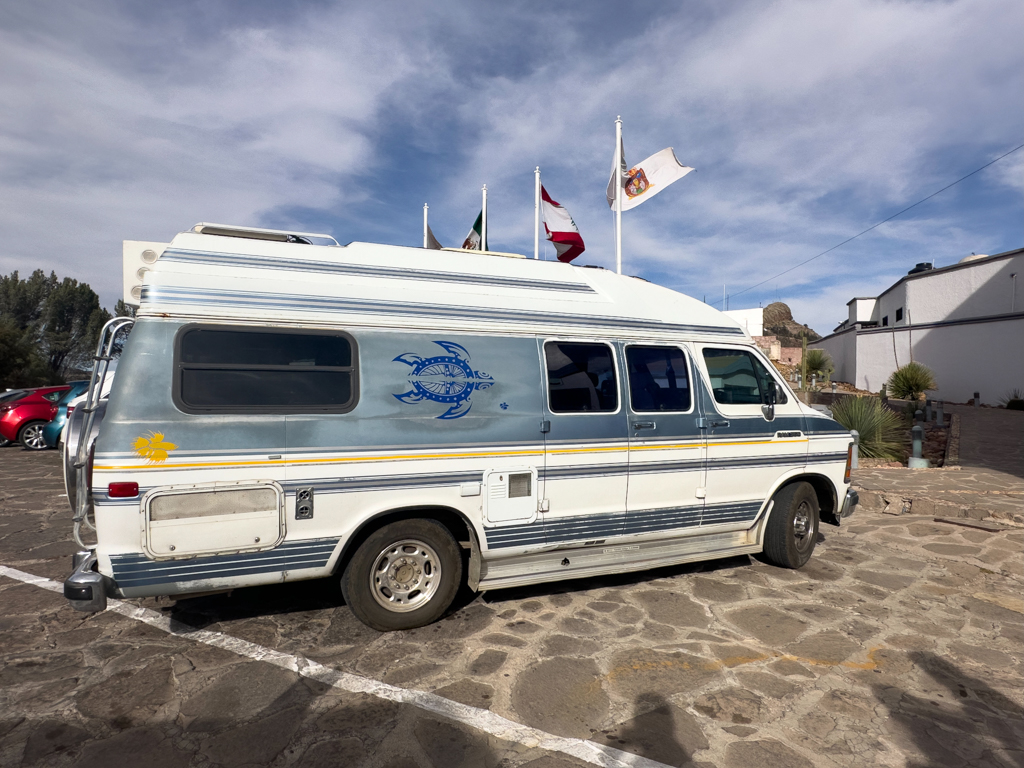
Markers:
586,458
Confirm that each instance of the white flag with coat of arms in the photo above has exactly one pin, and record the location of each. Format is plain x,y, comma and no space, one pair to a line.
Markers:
646,179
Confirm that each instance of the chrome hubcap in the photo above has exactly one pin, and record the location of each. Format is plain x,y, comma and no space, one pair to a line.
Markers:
405,576
801,521
34,437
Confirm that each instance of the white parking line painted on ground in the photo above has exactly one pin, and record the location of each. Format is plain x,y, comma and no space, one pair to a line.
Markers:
478,719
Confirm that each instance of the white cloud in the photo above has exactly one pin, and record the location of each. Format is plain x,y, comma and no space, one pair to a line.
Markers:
807,122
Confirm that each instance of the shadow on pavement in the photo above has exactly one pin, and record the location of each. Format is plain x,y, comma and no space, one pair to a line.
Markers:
970,719
249,714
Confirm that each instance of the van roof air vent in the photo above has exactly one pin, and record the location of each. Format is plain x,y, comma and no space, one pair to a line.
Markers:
253,233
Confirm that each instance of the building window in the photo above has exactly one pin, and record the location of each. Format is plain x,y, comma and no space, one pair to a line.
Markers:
223,369
657,379
885,320
899,314
581,377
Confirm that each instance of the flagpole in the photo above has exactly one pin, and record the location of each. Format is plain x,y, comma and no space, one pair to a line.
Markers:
536,213
483,222
618,194
425,208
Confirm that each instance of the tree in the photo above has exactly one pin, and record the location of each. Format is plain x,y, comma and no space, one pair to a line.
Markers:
72,323
48,328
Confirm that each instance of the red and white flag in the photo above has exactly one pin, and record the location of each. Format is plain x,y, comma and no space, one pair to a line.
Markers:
561,229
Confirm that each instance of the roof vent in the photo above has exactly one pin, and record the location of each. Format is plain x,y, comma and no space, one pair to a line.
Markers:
973,257
252,233
922,266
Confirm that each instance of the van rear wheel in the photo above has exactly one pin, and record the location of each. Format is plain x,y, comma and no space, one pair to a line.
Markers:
405,575
792,529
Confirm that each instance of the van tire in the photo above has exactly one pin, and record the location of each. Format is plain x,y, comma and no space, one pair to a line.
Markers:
420,554
792,529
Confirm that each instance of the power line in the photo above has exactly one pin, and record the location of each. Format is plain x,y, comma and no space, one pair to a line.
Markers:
875,226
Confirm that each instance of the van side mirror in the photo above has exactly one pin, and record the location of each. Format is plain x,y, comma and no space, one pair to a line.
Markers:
772,395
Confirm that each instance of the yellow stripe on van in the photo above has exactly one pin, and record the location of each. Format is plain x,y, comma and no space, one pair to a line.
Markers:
416,457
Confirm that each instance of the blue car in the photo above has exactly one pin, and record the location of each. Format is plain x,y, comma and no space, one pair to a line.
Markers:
51,432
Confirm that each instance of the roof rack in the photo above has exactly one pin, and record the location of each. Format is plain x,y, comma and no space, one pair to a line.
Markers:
254,233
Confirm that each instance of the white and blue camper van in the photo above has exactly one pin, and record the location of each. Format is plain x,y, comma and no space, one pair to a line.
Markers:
409,420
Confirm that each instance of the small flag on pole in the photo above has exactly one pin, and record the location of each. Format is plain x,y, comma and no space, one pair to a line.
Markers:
432,241
646,179
474,239
561,229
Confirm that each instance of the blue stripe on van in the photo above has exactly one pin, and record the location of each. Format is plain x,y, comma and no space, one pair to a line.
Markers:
253,299
586,527
397,273
137,570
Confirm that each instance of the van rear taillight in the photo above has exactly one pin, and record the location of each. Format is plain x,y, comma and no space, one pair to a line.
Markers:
849,463
123,490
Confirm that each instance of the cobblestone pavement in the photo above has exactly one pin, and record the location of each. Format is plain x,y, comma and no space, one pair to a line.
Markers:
989,484
901,643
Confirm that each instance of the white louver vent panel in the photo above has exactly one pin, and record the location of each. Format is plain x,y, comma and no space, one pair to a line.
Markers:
511,495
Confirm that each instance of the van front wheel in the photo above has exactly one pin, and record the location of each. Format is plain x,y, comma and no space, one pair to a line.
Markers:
405,575
792,529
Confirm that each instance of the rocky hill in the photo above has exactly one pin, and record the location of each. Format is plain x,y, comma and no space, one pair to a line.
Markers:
778,321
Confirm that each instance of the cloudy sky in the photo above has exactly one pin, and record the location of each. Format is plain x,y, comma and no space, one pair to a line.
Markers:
807,121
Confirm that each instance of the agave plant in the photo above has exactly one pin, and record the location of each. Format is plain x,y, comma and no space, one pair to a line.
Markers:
880,429
910,381
820,362
1014,399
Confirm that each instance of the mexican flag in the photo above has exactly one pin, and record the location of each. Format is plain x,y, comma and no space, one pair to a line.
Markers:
560,228
474,238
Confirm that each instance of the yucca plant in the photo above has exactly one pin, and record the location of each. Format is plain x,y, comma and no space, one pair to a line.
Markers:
820,362
881,430
1014,399
910,381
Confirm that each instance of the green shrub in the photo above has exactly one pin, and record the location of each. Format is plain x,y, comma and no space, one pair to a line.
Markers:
881,430
910,381
1014,400
820,362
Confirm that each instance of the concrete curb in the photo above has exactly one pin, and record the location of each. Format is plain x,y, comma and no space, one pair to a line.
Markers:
895,503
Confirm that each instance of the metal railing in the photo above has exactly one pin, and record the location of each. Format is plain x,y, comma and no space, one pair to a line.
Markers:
100,368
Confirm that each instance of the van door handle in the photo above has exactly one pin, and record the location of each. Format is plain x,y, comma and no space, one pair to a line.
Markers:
719,424
644,425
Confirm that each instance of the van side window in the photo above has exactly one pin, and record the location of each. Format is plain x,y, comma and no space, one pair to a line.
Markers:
243,370
738,378
658,379
581,377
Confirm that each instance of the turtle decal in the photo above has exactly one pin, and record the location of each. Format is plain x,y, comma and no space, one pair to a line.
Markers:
444,379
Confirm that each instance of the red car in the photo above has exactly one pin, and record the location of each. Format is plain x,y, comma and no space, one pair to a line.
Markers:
22,418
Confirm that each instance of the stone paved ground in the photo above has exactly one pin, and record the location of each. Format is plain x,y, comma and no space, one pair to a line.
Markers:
900,644
989,485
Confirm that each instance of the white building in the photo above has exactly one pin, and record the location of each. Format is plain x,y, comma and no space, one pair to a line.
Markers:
752,320
965,322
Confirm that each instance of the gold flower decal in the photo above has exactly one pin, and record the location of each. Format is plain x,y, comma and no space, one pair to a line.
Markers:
153,446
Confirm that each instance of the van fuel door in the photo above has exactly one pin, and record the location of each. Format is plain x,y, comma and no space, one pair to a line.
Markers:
510,495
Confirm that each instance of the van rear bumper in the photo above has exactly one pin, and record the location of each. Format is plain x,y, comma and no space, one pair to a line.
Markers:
87,589
850,503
